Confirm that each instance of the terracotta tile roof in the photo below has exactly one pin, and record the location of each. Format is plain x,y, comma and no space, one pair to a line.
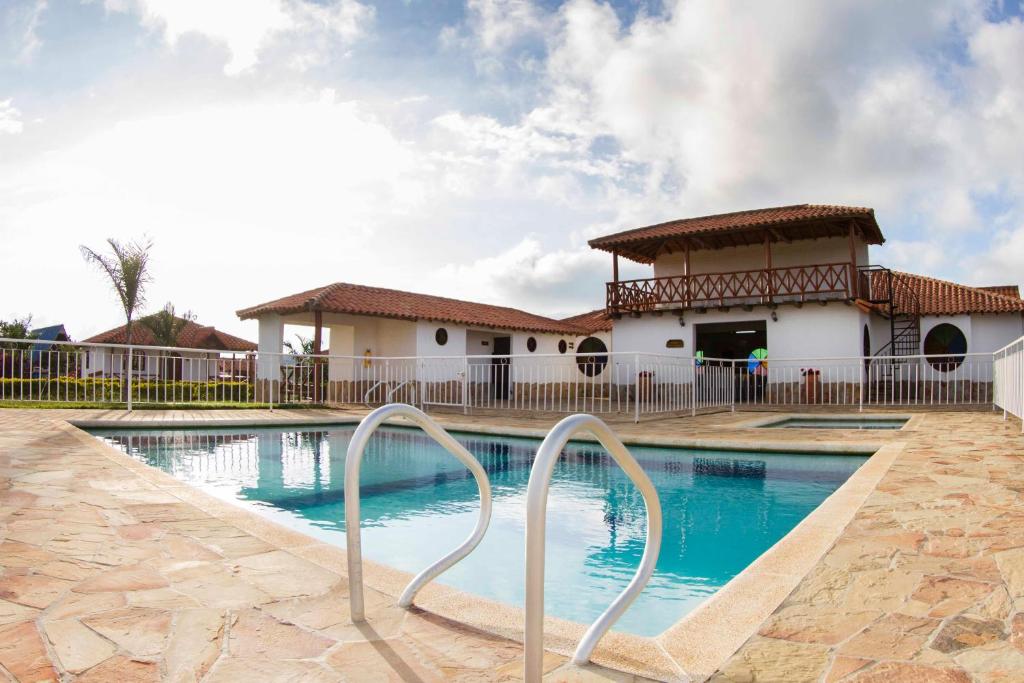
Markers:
342,297
1012,291
800,221
193,336
594,321
941,297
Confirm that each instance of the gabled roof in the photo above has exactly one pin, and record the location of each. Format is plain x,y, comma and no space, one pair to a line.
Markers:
941,297
50,333
800,221
192,336
593,321
342,297
1012,291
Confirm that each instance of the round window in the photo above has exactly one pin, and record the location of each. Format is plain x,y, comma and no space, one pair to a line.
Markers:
562,346
441,336
591,356
945,346
531,344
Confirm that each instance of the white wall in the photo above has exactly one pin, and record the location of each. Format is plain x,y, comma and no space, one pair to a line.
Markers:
992,332
732,259
197,366
813,331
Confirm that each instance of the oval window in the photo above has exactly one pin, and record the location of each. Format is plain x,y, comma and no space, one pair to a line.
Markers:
531,344
945,346
441,336
866,342
591,357
562,346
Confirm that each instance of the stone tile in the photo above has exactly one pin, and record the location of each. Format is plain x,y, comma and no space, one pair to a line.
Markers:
994,657
81,604
280,671
255,634
892,637
139,631
123,579
775,660
902,672
77,647
274,573
194,644
944,596
843,666
23,653
963,632
33,590
12,612
122,670
383,660
807,625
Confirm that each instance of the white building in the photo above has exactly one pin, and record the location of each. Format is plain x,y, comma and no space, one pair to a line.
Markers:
377,336
206,362
796,283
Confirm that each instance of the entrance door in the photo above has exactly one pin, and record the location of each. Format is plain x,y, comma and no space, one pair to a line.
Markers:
736,340
499,367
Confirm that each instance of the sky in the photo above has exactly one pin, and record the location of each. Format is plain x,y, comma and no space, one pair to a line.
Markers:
470,149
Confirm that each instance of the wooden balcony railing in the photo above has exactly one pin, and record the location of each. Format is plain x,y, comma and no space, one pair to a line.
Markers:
704,290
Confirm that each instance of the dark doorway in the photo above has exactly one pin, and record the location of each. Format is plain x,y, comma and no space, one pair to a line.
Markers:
731,340
500,365
736,341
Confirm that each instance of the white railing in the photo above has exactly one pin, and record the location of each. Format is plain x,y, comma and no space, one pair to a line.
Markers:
536,521
1009,380
353,533
631,384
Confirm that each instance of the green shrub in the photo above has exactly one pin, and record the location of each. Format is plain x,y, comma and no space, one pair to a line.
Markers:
105,390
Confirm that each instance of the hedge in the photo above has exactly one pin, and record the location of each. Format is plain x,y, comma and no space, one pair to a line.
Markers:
103,389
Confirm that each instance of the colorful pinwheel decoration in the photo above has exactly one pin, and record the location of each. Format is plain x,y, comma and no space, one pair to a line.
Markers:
757,362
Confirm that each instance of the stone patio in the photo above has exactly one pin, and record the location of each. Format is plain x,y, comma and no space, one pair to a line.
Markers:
108,576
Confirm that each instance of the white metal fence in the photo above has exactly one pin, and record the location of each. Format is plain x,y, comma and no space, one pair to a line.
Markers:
1009,379
633,384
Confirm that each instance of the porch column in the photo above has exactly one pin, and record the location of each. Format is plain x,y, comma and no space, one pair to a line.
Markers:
268,364
850,285
686,273
614,299
768,265
318,367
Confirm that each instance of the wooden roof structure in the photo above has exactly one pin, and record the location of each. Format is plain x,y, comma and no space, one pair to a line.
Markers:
780,224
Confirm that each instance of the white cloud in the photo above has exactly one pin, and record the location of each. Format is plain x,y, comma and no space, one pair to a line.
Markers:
19,26
246,27
10,119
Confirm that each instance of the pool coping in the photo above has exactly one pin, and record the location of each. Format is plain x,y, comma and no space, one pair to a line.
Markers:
912,421
690,650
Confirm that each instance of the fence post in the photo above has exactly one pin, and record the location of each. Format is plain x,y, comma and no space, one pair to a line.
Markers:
732,383
270,385
465,385
129,380
693,387
636,388
865,371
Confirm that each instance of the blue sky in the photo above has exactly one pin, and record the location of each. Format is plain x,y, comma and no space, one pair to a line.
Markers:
471,149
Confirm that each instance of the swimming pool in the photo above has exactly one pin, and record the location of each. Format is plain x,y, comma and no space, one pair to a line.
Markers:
721,509
837,423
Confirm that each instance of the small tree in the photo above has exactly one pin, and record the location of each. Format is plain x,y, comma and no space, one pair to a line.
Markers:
166,326
14,364
127,266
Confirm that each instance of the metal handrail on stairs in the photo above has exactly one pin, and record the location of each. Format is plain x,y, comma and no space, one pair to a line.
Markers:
536,519
353,535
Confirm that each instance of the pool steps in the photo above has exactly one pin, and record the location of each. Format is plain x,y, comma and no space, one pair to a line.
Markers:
536,522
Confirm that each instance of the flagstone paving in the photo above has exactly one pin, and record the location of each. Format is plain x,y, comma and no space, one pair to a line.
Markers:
106,577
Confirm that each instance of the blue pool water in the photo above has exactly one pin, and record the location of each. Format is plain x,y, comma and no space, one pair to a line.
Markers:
721,509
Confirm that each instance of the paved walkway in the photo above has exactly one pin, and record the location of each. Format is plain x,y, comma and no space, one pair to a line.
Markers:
107,576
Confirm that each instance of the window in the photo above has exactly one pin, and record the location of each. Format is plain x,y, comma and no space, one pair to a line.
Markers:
138,360
441,336
562,346
591,357
531,344
945,345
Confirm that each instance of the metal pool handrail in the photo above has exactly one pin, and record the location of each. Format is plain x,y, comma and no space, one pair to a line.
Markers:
536,518
353,536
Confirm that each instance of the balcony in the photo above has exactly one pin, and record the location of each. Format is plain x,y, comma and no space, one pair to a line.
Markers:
818,282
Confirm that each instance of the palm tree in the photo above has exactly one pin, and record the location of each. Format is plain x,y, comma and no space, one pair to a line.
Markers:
166,326
127,266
